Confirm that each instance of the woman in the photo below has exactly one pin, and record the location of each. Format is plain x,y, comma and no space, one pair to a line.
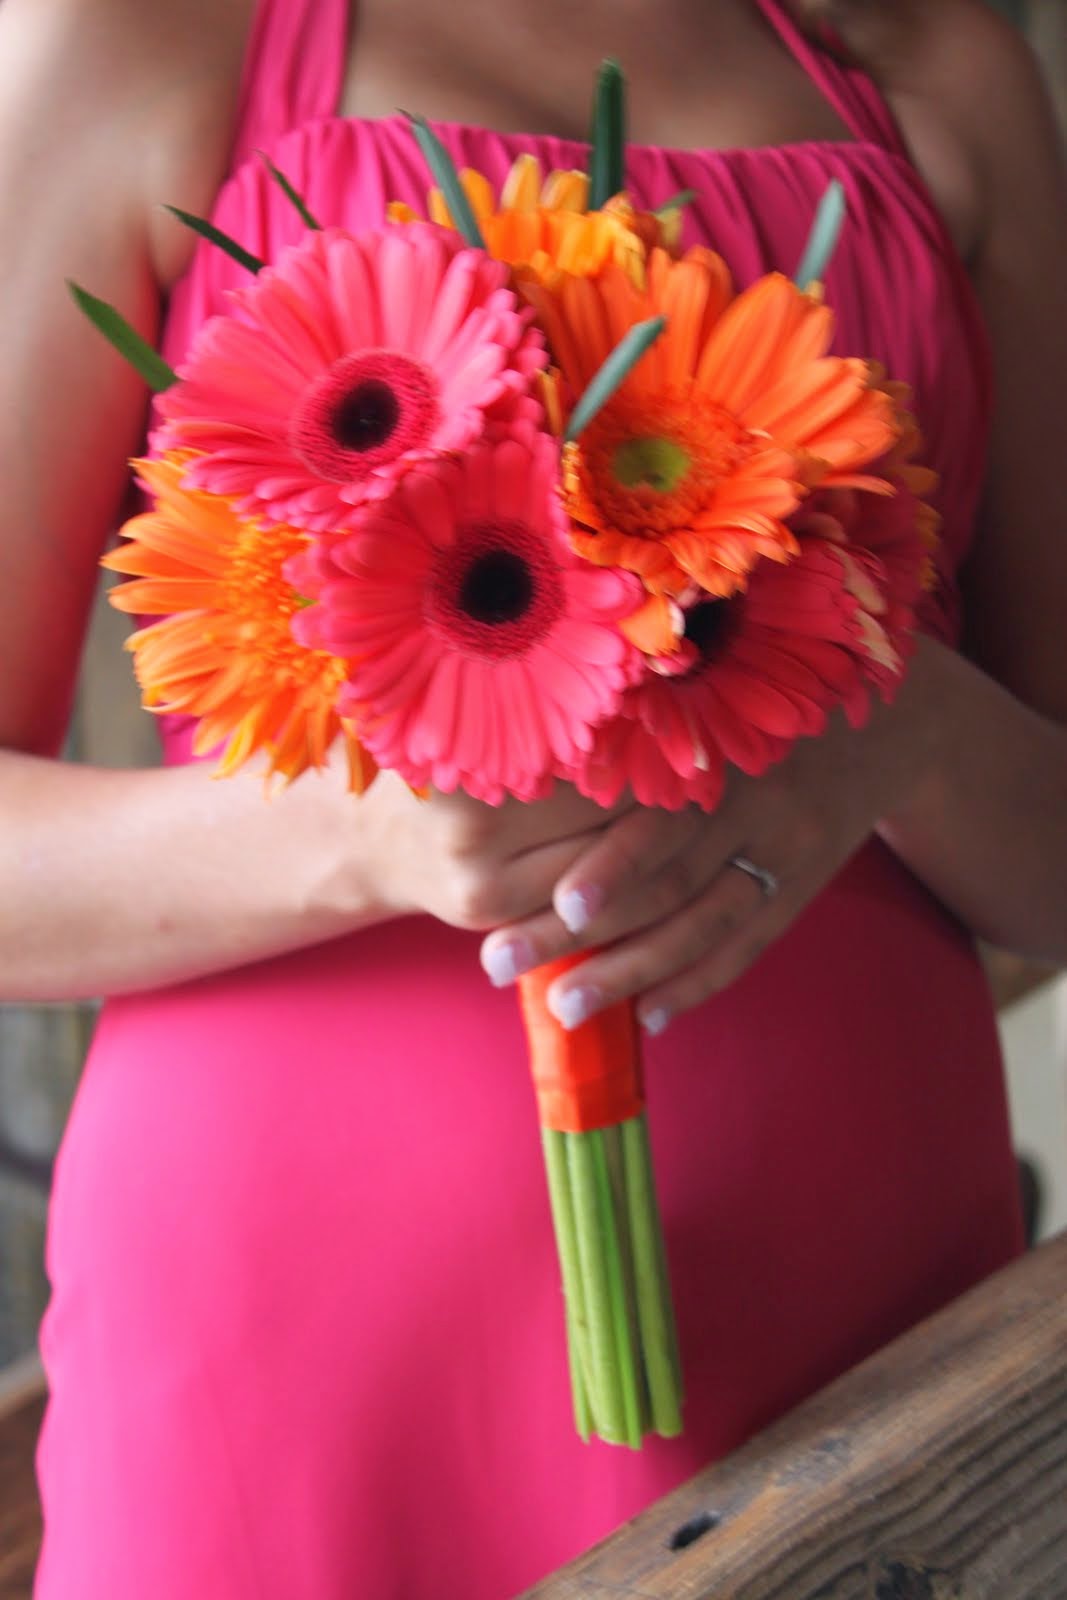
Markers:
305,1332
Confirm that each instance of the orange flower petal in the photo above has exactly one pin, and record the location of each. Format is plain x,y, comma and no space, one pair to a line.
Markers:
691,472
744,347
224,652
522,186
656,628
651,560
479,192
566,191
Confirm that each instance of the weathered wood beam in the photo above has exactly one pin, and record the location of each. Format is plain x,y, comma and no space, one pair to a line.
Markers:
936,1470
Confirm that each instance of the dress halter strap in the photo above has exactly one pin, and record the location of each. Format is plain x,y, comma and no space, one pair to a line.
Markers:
293,70
849,89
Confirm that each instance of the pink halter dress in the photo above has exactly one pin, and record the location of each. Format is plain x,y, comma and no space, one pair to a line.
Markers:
305,1339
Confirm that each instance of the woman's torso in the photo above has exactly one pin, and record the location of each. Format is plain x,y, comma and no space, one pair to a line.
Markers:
876,978
331,1160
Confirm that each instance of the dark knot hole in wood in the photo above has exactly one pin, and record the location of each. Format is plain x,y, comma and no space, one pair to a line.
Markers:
901,1580
693,1530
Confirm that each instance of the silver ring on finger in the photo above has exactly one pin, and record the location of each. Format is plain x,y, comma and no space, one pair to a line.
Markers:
768,883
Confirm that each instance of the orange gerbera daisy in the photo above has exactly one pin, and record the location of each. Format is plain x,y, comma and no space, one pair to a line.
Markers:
688,474
542,226
223,652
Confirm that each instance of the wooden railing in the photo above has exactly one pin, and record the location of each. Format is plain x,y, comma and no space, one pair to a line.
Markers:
21,1407
937,1470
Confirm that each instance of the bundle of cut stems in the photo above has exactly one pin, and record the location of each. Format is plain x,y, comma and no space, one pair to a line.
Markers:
621,1341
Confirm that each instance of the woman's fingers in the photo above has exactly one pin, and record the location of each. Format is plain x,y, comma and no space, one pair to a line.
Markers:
653,867
695,951
642,847
672,907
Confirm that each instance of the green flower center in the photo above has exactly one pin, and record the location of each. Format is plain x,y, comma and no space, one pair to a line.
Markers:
651,463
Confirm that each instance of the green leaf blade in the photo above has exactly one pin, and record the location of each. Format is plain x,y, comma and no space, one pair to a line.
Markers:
289,192
677,202
615,370
607,163
824,236
207,230
146,361
445,176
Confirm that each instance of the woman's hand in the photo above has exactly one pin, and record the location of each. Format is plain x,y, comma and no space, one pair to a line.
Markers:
471,865
662,891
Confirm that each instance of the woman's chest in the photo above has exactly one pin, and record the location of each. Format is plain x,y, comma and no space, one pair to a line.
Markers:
701,75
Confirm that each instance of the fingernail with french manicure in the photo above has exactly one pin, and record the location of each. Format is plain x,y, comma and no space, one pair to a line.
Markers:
506,962
656,1022
576,908
575,1006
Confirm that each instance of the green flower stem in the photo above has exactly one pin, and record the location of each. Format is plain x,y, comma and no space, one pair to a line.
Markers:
627,1353
616,1161
646,1177
559,1192
592,1230
621,1342
654,1310
583,1416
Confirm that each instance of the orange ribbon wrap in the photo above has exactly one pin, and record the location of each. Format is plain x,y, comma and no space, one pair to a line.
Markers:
586,1077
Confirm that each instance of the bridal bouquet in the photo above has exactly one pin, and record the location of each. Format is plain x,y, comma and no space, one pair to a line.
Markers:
519,494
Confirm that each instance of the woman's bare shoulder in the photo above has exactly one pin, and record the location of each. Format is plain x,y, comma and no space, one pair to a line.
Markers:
968,93
147,57
107,107
140,97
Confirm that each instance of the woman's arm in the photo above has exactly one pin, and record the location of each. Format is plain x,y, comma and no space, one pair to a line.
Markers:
1000,777
966,774
106,879
988,829
113,881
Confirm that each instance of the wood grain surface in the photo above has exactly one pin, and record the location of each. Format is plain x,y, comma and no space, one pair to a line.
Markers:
22,1402
937,1470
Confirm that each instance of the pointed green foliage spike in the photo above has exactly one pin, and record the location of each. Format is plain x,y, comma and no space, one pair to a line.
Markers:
208,230
607,164
289,192
446,178
822,241
615,370
126,340
684,197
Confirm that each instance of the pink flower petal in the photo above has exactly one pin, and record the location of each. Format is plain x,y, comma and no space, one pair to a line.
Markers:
262,395
457,682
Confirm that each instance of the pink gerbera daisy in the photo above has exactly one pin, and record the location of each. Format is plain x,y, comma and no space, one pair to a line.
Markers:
884,540
482,651
752,675
347,361
748,676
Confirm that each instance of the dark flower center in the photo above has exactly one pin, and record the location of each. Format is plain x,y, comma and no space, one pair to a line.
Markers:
497,590
364,412
366,416
705,626
497,587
